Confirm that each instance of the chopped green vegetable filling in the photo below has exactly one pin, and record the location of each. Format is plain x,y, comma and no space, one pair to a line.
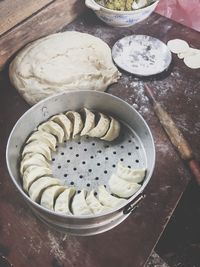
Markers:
121,5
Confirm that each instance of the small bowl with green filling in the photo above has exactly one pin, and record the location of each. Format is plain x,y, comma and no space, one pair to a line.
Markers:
122,13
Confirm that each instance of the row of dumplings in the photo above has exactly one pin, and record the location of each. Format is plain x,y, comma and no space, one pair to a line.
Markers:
52,195
70,125
36,155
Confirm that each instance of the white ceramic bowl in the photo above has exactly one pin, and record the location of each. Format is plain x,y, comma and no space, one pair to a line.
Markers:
121,18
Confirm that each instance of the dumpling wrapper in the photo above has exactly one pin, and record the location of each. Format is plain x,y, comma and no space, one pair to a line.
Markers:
33,160
37,147
177,46
113,131
106,199
32,173
65,123
130,175
76,120
193,61
89,123
101,128
45,137
79,205
189,52
63,201
40,185
121,187
53,128
49,195
95,205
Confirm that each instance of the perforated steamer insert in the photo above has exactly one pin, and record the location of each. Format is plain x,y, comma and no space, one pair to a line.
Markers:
89,162
86,162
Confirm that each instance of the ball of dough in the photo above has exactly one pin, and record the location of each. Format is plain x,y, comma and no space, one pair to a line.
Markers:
60,62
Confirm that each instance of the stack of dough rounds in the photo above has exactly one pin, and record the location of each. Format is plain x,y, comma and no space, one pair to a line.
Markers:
190,56
61,62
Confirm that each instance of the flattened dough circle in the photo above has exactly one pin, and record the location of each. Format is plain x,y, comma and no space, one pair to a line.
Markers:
177,46
193,61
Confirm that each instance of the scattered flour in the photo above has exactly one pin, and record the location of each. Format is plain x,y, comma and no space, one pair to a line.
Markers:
55,247
164,148
140,55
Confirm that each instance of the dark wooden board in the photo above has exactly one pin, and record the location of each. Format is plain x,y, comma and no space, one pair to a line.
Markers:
25,241
50,19
14,12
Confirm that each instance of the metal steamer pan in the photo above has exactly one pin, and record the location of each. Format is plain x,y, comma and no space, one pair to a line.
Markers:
134,147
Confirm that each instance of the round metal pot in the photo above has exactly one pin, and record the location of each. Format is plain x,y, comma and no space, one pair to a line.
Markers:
81,225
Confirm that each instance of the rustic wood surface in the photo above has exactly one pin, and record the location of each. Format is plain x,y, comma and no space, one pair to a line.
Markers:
14,12
50,19
25,241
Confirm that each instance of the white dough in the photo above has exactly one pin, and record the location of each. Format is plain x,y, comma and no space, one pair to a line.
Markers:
121,187
65,123
107,199
79,205
192,61
34,160
36,189
129,174
63,61
189,52
63,201
45,137
101,128
49,195
32,173
177,46
113,131
89,123
52,128
95,205
37,147
76,120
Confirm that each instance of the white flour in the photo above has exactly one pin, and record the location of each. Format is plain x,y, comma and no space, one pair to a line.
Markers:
142,55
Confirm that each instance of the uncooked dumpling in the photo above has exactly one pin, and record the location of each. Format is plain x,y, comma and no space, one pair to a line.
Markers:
31,159
60,62
45,137
36,189
101,128
95,205
37,147
49,195
129,174
63,201
53,128
79,205
107,199
121,187
89,123
65,123
76,120
113,131
32,173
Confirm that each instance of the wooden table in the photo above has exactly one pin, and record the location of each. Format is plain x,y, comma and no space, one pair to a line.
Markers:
26,242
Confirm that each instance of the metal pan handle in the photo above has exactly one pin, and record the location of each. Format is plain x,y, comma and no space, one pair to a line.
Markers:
131,207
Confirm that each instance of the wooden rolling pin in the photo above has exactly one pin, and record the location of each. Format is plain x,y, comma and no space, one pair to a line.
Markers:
175,136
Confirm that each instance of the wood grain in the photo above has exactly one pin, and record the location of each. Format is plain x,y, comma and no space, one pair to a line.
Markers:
48,20
13,12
